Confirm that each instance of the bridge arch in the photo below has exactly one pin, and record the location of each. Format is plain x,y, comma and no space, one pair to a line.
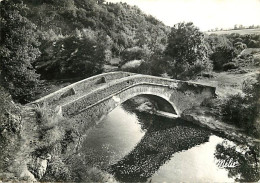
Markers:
160,101
86,102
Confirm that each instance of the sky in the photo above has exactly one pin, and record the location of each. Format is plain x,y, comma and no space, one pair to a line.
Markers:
205,14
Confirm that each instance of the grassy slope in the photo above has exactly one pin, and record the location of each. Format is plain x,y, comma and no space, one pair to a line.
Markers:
230,82
227,83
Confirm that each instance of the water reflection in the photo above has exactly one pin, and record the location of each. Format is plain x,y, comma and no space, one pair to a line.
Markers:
164,138
197,164
241,161
112,139
136,146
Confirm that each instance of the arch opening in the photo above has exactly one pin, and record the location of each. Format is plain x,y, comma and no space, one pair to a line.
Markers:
152,104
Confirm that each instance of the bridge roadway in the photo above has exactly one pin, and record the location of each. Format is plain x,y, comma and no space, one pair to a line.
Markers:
86,102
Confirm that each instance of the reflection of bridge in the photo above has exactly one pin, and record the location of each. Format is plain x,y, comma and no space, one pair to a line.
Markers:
89,100
162,140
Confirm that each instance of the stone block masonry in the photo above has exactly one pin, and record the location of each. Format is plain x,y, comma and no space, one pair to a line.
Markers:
86,102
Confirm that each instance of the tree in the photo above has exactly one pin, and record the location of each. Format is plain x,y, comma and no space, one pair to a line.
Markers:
187,49
100,1
135,53
18,50
241,161
81,55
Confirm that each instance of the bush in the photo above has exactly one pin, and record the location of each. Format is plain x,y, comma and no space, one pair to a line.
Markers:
10,128
74,56
156,66
132,66
243,110
238,40
256,58
134,53
221,56
251,40
236,111
54,136
254,44
57,171
240,46
9,114
229,66
213,41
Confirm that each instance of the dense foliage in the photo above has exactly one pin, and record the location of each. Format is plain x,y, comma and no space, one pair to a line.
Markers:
222,56
117,30
251,40
225,50
18,50
60,39
73,38
187,50
243,110
80,55
70,38
10,127
245,161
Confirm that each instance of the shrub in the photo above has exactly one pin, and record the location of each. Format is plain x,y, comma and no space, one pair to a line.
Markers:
236,111
243,110
57,170
244,157
132,66
54,136
213,41
9,114
254,44
221,56
135,53
256,58
73,57
10,128
240,46
157,65
238,40
229,66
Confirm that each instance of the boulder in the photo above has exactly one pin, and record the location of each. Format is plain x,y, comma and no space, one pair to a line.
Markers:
39,165
131,64
146,107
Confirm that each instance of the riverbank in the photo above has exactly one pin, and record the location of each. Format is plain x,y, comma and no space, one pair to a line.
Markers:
45,144
202,116
46,150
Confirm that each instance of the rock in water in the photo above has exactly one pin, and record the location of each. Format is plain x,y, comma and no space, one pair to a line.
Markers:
146,107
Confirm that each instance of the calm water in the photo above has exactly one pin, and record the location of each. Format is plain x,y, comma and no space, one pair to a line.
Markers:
136,146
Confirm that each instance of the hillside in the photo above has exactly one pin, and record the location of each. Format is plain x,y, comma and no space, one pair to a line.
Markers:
241,32
70,28
46,45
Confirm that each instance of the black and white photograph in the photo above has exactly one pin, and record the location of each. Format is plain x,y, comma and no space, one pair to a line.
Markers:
153,91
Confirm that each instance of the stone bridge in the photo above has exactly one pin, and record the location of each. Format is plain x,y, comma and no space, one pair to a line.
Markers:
86,102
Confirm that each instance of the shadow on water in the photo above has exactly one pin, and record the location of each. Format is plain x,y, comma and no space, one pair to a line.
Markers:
138,146
163,138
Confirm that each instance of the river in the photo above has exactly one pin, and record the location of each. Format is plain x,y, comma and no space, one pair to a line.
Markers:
139,147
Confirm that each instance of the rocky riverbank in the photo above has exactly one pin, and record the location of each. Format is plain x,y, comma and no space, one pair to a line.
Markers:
202,116
40,147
